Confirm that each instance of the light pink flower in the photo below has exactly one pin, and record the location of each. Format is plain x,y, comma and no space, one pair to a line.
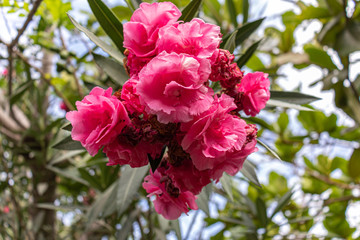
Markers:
254,92
5,72
141,33
130,97
195,38
215,135
170,201
99,118
122,152
172,87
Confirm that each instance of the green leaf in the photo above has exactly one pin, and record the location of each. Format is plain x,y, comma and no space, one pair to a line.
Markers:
112,68
248,170
68,144
51,206
354,164
319,57
292,97
277,103
130,181
104,205
268,148
126,228
203,199
261,211
107,48
70,172
232,12
65,156
67,127
245,10
226,182
246,30
19,92
283,201
109,22
348,39
190,11
247,55
230,42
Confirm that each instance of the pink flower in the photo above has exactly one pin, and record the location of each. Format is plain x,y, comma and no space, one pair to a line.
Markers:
170,201
172,87
99,119
235,160
130,97
188,178
141,33
254,92
5,72
215,135
6,210
64,107
134,64
123,152
195,38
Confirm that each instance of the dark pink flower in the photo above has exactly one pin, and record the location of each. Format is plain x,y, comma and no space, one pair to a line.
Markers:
136,155
170,201
254,92
188,178
64,107
6,210
223,69
195,38
134,64
215,135
99,118
171,86
141,33
130,96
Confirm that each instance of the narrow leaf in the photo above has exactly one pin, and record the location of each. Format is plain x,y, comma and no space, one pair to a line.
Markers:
112,68
354,164
245,10
292,97
67,127
248,170
19,92
65,156
203,199
105,204
126,228
230,42
226,182
109,22
244,31
277,103
130,181
136,3
107,48
68,144
247,55
269,149
190,11
232,12
71,173
283,201
51,206
261,211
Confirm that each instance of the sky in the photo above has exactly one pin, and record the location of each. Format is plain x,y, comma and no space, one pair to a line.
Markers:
271,9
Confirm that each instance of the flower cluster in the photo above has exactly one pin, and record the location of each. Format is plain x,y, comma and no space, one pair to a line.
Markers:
168,104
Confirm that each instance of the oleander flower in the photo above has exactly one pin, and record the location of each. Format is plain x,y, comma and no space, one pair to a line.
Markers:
99,118
188,178
171,86
254,92
141,32
170,201
195,38
215,135
130,96
122,152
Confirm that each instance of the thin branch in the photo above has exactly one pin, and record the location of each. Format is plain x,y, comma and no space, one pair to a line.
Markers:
340,199
26,23
47,80
330,181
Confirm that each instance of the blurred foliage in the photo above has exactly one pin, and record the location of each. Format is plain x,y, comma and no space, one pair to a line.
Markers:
50,188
